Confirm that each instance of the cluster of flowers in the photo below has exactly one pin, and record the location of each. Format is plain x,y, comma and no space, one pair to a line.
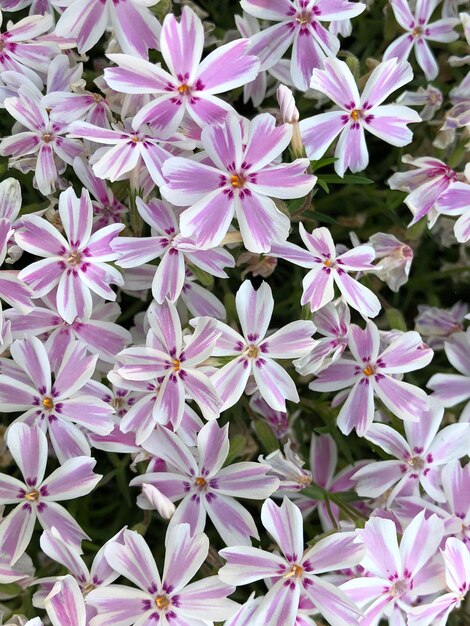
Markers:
152,183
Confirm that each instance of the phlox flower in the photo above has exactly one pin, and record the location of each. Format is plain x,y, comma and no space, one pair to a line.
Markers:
87,578
456,201
419,458
76,265
135,27
106,208
288,467
436,325
371,373
174,250
430,99
66,107
254,352
327,268
295,573
239,183
204,487
42,145
452,389
299,25
457,572
332,321
396,574
65,604
244,616
12,290
36,497
418,32
190,84
128,150
26,384
99,333
395,259
19,52
174,366
161,600
424,185
277,420
358,113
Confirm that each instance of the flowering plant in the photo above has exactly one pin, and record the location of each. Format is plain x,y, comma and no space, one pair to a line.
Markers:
234,295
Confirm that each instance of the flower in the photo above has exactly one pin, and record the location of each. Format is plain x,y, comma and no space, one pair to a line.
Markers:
55,405
395,575
64,604
430,99
452,389
190,84
161,600
424,185
255,353
136,28
396,258
436,325
175,366
420,457
204,486
372,372
332,321
300,26
18,50
238,183
36,497
78,264
419,32
43,139
457,571
358,113
456,201
328,268
175,251
129,149
295,572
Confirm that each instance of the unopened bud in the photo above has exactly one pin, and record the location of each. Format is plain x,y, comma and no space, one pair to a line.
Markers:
163,505
286,101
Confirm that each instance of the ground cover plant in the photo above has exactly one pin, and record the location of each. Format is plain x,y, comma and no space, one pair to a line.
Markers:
234,355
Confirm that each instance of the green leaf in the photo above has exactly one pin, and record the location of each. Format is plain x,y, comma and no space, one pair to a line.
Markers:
203,277
314,491
396,319
321,183
349,179
237,447
266,436
316,165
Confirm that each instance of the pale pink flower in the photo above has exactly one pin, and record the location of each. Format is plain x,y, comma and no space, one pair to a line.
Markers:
76,265
55,405
204,486
436,325
294,573
191,84
254,352
358,113
238,184
373,373
419,32
36,497
327,268
395,259
161,600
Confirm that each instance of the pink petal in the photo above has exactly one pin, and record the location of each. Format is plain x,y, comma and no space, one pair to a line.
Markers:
306,55
86,21
188,181
356,295
65,604
351,150
200,388
284,524
31,356
260,221
136,28
230,381
223,143
318,287
292,341
402,399
288,180
384,80
28,446
389,122
336,81
169,277
73,479
244,68
181,44
133,559
185,553
274,383
76,216
318,132
266,141
358,410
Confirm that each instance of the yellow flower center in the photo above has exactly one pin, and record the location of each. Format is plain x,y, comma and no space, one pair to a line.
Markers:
48,403
328,263
47,137
368,371
176,365
356,115
32,496
200,481
162,602
237,181
295,571
183,89
252,352
417,32
74,258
